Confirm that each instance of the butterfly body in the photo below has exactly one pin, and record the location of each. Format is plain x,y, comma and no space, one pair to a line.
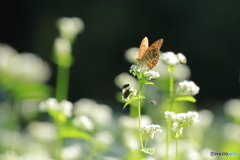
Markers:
149,56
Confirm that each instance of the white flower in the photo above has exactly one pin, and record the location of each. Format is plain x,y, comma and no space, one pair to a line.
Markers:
187,88
181,120
71,152
42,131
172,59
51,104
83,122
100,114
66,107
70,27
143,72
127,92
104,137
150,130
169,58
151,74
62,47
232,108
182,58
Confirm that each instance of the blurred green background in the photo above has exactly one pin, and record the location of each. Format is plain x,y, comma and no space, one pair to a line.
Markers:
207,32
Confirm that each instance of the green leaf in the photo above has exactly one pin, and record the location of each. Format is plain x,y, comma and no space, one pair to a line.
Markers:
31,90
72,132
136,150
57,115
130,101
133,98
185,98
148,150
144,81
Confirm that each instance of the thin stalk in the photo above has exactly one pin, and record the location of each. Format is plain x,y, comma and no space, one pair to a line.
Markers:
169,123
62,83
139,116
146,142
176,148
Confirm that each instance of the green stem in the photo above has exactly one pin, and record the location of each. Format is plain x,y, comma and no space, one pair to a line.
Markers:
169,123
176,148
146,142
61,94
139,116
62,83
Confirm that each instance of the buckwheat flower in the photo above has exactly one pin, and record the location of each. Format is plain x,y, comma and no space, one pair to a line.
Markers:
62,47
43,131
6,54
169,58
232,108
182,58
186,119
170,115
141,72
187,88
28,68
100,114
66,107
104,137
127,92
181,120
71,152
150,130
51,104
70,27
151,74
83,122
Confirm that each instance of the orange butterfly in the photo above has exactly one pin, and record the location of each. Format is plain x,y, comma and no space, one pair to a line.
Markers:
149,56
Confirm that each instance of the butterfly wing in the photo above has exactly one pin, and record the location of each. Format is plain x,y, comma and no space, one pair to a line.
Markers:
143,48
151,56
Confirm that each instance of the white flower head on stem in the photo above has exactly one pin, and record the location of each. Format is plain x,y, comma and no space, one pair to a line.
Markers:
150,130
83,122
170,58
70,27
66,107
127,92
181,120
143,72
187,88
52,104
182,58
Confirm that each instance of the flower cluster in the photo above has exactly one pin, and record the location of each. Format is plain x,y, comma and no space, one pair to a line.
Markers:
181,120
127,92
83,122
52,104
150,130
143,72
172,59
70,27
187,88
89,115
24,67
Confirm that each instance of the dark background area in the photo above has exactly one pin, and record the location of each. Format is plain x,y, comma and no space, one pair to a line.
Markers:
207,32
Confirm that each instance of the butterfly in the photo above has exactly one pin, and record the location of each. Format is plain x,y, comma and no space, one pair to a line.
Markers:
149,56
